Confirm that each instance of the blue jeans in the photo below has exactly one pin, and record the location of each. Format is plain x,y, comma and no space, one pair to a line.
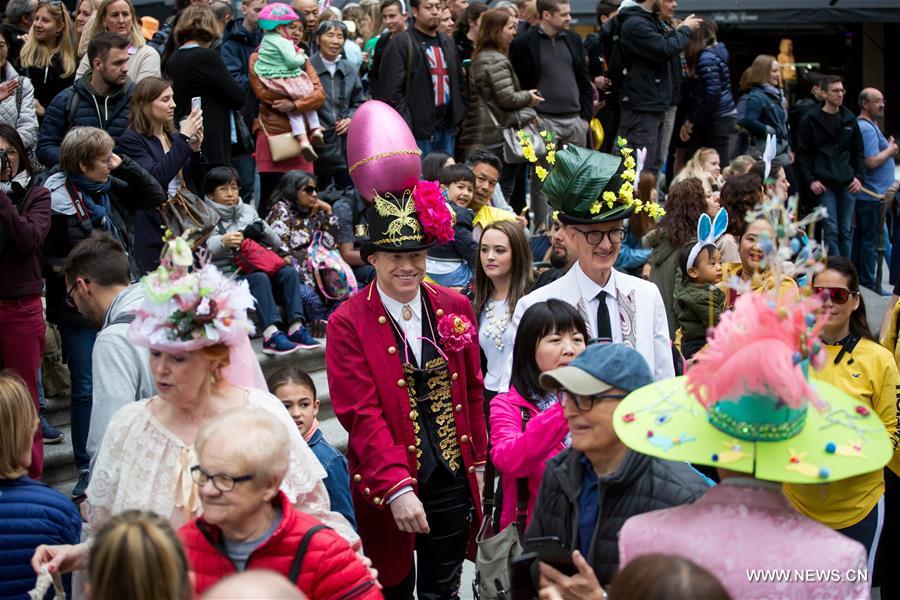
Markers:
838,225
313,306
865,240
443,140
287,283
77,346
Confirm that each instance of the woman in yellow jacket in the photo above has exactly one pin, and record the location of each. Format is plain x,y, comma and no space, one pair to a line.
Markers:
750,272
861,367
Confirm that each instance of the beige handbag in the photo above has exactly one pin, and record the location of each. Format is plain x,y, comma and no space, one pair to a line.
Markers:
282,146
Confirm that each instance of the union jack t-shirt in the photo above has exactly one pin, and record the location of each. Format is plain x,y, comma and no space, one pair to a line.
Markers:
440,72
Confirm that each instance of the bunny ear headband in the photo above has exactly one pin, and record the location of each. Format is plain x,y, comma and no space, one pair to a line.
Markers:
769,155
708,231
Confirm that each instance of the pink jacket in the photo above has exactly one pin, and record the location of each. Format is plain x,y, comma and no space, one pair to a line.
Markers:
746,529
516,453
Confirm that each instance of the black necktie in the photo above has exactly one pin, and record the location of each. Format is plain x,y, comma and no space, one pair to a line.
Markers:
604,329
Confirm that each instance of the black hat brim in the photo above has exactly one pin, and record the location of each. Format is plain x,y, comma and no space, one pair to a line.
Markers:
367,249
616,215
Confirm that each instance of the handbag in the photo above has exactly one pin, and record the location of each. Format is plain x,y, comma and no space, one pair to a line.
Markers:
281,146
186,212
513,152
334,277
496,551
242,142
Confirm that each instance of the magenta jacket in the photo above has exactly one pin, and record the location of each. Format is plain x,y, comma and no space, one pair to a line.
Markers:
516,453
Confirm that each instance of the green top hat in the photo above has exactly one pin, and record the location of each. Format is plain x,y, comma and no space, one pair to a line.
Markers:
585,186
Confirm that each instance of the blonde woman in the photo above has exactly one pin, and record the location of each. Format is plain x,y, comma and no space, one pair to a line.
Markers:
83,20
137,555
704,165
31,513
48,57
118,16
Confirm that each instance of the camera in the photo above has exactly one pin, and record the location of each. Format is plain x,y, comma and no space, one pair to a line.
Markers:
4,162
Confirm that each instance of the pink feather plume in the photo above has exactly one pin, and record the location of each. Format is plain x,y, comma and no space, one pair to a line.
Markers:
752,349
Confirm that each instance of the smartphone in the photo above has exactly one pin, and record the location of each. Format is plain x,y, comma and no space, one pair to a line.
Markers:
551,551
195,103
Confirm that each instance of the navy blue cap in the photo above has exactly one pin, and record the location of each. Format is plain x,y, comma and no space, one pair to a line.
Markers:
599,368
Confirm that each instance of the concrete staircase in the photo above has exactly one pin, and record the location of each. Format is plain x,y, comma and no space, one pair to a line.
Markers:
59,464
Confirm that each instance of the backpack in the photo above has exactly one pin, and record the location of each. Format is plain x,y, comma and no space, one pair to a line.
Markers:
333,275
613,53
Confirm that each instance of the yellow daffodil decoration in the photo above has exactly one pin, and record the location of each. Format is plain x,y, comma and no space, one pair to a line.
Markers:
576,179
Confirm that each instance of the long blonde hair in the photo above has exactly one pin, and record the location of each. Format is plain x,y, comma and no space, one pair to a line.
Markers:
38,55
136,555
82,38
18,420
95,25
694,168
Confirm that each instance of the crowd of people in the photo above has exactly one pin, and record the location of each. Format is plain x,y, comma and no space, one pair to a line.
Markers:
512,242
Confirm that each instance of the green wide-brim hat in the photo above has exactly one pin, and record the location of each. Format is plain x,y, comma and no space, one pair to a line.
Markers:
393,226
578,179
847,439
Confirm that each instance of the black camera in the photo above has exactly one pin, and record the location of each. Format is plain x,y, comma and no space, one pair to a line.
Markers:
4,162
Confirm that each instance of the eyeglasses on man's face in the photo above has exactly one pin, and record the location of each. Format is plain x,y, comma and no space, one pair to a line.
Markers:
585,403
595,238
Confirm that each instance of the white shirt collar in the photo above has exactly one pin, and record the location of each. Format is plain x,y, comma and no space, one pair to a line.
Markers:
395,308
590,288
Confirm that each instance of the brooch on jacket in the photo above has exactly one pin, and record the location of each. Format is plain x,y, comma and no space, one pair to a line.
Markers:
456,331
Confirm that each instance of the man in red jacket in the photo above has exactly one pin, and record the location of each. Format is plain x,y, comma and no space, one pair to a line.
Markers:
405,380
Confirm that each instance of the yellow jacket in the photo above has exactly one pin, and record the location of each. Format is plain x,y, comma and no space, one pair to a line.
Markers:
868,373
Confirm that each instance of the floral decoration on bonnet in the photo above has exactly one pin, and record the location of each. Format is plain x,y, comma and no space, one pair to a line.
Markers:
187,309
586,186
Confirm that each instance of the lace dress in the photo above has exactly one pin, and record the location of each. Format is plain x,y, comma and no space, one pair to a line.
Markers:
142,465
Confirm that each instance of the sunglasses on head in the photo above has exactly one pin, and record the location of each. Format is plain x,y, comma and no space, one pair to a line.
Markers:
837,295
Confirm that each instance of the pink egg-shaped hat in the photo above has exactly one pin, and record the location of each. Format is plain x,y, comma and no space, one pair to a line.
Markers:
381,151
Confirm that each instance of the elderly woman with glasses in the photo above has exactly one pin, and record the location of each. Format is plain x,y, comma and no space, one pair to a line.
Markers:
248,522
590,489
96,190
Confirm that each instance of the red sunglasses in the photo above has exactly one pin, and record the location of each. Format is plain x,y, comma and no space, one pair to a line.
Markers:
837,295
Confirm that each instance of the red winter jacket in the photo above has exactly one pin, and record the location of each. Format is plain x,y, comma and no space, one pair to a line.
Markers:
330,568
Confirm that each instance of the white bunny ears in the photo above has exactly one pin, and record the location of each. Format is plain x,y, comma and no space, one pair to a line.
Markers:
708,231
641,159
769,154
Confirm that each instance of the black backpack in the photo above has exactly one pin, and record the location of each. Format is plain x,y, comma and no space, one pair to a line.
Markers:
614,57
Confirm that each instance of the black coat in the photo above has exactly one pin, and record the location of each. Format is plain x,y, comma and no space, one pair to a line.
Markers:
525,56
417,106
202,72
641,484
649,55
147,151
821,156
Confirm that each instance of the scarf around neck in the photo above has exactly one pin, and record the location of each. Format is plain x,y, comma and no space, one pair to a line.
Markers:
96,198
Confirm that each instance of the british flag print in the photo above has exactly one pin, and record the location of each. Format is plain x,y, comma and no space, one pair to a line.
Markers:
440,75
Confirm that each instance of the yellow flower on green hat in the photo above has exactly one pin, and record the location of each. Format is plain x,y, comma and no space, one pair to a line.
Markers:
595,207
541,171
629,162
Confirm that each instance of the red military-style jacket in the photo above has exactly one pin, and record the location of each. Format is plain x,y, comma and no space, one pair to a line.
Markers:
370,398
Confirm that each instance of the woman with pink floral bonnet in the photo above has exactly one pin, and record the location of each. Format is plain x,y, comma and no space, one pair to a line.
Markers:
195,323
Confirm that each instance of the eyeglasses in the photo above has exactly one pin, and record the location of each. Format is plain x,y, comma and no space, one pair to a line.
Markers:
220,481
70,300
310,189
837,295
585,403
595,238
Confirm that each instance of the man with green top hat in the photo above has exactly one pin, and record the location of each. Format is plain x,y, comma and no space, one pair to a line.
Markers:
591,489
749,408
593,193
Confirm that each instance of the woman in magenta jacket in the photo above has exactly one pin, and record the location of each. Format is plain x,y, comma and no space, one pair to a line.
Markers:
550,335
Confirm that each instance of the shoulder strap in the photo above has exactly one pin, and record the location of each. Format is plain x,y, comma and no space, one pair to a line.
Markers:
220,228
522,487
80,210
19,92
297,563
72,106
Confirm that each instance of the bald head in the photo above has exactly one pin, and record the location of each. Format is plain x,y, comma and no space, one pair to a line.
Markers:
871,103
252,585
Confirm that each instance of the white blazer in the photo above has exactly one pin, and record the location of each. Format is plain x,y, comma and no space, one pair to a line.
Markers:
651,328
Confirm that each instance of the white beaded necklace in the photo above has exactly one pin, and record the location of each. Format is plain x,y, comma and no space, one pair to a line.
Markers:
496,328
